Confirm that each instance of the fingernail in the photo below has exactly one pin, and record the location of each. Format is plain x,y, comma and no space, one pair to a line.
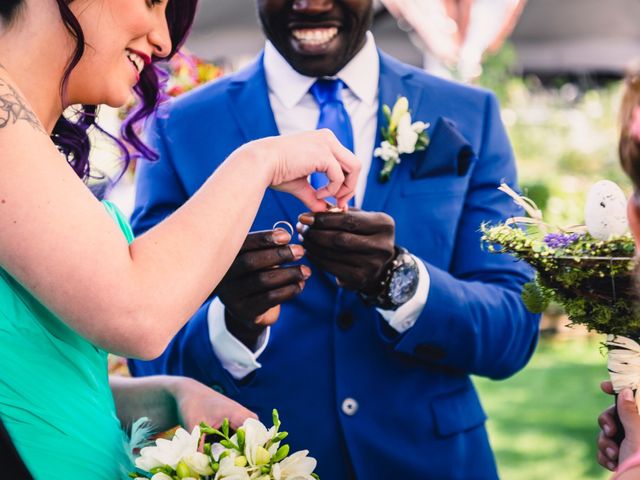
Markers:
297,251
611,466
607,430
610,453
306,271
306,219
281,236
627,395
302,228
300,238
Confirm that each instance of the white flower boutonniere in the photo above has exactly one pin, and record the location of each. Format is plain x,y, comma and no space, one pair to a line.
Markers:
399,137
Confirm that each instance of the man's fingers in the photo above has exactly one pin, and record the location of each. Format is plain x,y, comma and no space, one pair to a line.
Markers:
606,463
340,240
354,221
607,422
270,279
607,387
252,261
277,296
265,239
608,448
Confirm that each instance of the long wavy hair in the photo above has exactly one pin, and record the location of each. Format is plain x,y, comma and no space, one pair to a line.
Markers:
71,134
629,144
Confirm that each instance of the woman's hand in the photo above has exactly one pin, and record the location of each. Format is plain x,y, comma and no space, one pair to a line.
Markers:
197,403
295,157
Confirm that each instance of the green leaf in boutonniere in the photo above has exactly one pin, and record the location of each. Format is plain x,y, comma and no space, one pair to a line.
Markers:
400,136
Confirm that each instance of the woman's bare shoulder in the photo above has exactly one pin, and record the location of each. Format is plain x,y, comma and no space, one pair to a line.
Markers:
13,107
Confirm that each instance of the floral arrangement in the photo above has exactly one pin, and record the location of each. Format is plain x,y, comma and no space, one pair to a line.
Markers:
400,136
253,452
187,71
588,269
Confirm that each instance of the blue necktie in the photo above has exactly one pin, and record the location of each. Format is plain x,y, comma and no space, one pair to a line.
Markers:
333,115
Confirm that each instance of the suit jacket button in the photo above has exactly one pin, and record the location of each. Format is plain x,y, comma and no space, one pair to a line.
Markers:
349,406
430,352
345,320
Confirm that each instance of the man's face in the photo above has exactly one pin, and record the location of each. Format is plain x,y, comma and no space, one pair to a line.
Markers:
316,37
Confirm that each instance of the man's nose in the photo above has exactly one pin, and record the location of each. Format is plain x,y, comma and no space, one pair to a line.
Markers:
312,7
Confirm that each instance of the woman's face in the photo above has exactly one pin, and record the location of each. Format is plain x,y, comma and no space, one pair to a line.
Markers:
121,36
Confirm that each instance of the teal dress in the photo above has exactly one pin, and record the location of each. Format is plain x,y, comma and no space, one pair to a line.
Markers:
55,398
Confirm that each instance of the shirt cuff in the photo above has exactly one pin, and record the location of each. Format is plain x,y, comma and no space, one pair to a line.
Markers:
406,316
234,356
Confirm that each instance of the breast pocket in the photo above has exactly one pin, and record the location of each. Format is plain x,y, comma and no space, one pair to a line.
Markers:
431,211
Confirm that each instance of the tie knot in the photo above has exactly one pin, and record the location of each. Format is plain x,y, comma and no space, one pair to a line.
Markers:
327,90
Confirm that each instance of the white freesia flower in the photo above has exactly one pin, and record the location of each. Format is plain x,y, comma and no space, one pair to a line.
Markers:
407,136
169,452
256,436
386,151
198,463
295,467
161,476
230,471
419,127
399,109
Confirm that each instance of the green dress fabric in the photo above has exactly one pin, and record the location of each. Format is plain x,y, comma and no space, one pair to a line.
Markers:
55,398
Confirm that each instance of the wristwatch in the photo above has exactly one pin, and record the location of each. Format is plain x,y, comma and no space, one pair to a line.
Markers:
399,283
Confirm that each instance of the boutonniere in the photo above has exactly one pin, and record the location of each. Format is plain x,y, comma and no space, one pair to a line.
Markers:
399,137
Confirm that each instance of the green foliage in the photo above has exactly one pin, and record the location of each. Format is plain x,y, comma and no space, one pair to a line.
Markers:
534,298
590,278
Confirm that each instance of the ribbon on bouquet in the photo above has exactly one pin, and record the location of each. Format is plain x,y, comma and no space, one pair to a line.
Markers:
535,214
624,364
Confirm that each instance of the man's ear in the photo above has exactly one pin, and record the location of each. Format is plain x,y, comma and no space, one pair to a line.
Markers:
633,214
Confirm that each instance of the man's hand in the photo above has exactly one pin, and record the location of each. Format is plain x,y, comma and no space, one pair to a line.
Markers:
608,449
610,454
256,284
355,246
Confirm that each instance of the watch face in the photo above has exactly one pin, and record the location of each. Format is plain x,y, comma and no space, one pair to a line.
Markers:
403,284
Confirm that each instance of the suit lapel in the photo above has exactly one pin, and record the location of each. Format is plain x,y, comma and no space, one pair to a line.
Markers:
395,81
249,97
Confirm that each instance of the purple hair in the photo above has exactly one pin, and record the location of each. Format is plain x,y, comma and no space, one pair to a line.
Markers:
70,135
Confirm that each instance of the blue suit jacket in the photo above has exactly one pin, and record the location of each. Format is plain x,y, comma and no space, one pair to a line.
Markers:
418,413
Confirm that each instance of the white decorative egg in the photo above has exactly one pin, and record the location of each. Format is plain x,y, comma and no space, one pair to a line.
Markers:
605,212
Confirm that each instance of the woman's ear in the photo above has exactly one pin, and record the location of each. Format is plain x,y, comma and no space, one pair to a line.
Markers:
633,214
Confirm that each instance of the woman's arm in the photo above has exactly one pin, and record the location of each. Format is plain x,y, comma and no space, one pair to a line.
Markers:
170,401
58,241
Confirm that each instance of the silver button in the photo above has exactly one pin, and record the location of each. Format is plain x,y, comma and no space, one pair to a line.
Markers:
349,406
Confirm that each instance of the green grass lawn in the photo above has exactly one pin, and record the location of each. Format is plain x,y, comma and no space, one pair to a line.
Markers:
543,421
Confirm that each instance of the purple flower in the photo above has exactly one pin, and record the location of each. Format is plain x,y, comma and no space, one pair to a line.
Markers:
560,240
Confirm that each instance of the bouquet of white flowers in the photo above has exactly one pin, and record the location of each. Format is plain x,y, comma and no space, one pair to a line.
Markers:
253,452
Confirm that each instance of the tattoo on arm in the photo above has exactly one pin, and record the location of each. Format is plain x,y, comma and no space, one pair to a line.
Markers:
13,108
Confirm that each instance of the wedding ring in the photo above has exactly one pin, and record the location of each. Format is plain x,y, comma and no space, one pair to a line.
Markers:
281,223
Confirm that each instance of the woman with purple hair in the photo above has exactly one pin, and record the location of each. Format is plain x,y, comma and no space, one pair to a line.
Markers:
74,284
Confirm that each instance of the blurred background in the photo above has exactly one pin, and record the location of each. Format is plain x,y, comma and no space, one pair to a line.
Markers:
556,66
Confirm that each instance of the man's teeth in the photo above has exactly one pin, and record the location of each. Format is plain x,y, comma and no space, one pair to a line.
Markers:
315,36
137,60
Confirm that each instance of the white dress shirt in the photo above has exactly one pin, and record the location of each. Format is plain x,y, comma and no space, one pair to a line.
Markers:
295,110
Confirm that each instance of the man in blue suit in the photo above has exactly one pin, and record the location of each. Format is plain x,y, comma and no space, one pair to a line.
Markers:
373,336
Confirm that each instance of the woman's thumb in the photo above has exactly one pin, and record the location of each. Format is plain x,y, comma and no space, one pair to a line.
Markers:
628,413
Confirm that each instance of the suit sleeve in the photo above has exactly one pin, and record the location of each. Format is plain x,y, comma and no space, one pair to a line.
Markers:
474,321
159,192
